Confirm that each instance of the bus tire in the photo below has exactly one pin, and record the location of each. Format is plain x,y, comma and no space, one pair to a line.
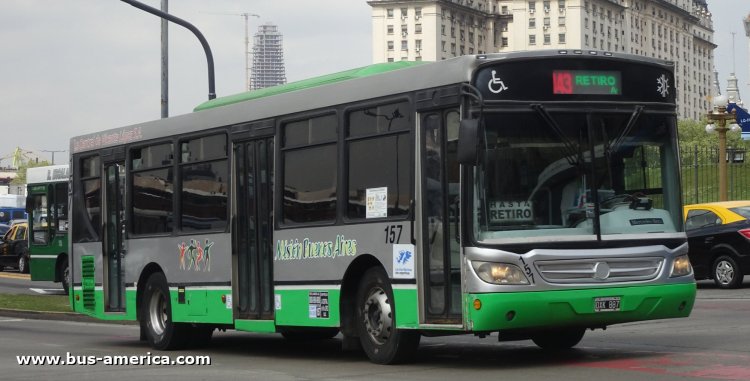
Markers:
161,332
376,322
558,339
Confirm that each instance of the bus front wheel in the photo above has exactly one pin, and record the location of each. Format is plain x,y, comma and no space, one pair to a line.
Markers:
376,323
559,339
161,332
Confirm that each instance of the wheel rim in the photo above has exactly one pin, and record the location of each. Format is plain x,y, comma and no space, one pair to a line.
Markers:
377,316
22,264
724,272
158,312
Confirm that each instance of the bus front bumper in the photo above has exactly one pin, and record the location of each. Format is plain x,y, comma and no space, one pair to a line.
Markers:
549,309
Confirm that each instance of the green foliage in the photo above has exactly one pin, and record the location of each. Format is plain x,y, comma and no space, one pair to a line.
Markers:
692,133
21,173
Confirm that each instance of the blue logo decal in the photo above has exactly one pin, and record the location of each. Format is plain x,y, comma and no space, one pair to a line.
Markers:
403,256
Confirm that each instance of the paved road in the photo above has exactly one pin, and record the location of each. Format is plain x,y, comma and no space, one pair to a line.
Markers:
13,282
714,343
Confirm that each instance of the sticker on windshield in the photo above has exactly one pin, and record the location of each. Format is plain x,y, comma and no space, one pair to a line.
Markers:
511,212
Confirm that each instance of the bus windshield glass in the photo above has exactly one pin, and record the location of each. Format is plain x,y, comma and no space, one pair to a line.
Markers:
556,175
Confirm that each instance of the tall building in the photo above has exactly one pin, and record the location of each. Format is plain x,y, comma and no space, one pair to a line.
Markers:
675,30
268,58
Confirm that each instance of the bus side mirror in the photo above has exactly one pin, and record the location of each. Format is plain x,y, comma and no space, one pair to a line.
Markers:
468,141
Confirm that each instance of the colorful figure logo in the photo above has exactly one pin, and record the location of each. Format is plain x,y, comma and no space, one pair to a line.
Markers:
195,257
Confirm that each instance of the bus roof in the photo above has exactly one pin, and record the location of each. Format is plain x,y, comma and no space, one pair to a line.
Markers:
369,82
361,72
48,174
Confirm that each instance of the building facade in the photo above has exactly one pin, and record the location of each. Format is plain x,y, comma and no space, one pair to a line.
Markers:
268,58
675,30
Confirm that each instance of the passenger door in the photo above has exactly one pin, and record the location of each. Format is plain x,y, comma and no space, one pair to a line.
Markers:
252,229
440,217
114,232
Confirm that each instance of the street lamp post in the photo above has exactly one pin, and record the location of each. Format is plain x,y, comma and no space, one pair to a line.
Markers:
717,122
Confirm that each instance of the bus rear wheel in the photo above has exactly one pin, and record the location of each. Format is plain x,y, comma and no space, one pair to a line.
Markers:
161,332
559,339
376,322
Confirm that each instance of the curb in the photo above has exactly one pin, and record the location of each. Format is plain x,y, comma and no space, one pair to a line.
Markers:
62,316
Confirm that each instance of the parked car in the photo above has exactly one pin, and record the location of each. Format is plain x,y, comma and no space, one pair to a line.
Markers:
3,229
719,239
14,248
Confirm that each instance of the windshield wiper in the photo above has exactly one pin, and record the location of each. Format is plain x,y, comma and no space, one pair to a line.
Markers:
617,142
569,150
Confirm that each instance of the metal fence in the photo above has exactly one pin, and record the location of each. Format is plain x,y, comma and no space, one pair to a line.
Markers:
699,168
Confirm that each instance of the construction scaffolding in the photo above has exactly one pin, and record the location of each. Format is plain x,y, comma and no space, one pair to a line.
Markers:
268,58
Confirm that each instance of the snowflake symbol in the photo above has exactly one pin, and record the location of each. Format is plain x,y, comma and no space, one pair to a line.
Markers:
663,85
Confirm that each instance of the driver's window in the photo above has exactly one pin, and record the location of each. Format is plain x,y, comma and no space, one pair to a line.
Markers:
39,220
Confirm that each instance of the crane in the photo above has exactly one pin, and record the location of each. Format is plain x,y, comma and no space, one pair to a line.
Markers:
20,156
246,16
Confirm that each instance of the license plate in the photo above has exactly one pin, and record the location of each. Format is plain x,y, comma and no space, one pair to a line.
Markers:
611,303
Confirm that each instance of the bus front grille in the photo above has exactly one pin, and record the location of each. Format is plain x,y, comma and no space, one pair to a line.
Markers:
599,270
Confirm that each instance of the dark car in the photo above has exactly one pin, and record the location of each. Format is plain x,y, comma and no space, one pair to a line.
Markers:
719,240
4,229
14,248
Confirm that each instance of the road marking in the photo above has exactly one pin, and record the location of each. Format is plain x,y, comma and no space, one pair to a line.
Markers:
15,276
48,291
11,320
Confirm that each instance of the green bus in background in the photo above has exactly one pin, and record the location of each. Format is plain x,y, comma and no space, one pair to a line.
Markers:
47,206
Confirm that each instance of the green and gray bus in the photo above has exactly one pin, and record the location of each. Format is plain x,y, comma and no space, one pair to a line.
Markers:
526,195
47,207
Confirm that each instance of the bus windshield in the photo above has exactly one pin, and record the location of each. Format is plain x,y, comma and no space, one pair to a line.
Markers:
570,175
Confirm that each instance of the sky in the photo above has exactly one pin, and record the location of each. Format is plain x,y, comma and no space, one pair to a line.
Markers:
74,67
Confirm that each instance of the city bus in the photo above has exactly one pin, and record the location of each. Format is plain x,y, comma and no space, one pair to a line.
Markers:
47,207
530,195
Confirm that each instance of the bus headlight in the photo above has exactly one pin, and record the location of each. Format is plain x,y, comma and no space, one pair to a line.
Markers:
681,266
499,273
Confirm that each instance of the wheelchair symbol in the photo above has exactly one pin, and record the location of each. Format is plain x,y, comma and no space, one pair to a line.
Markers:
496,85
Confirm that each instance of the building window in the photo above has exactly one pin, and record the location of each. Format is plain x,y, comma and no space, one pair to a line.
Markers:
418,12
404,45
418,45
390,29
532,23
504,42
418,28
532,6
547,39
310,168
442,30
389,13
442,45
532,39
390,45
561,38
561,21
547,22
404,12
404,30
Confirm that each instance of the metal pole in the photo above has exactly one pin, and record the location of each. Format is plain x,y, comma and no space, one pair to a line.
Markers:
196,32
164,62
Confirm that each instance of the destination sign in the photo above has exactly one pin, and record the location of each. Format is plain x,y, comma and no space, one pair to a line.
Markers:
586,82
